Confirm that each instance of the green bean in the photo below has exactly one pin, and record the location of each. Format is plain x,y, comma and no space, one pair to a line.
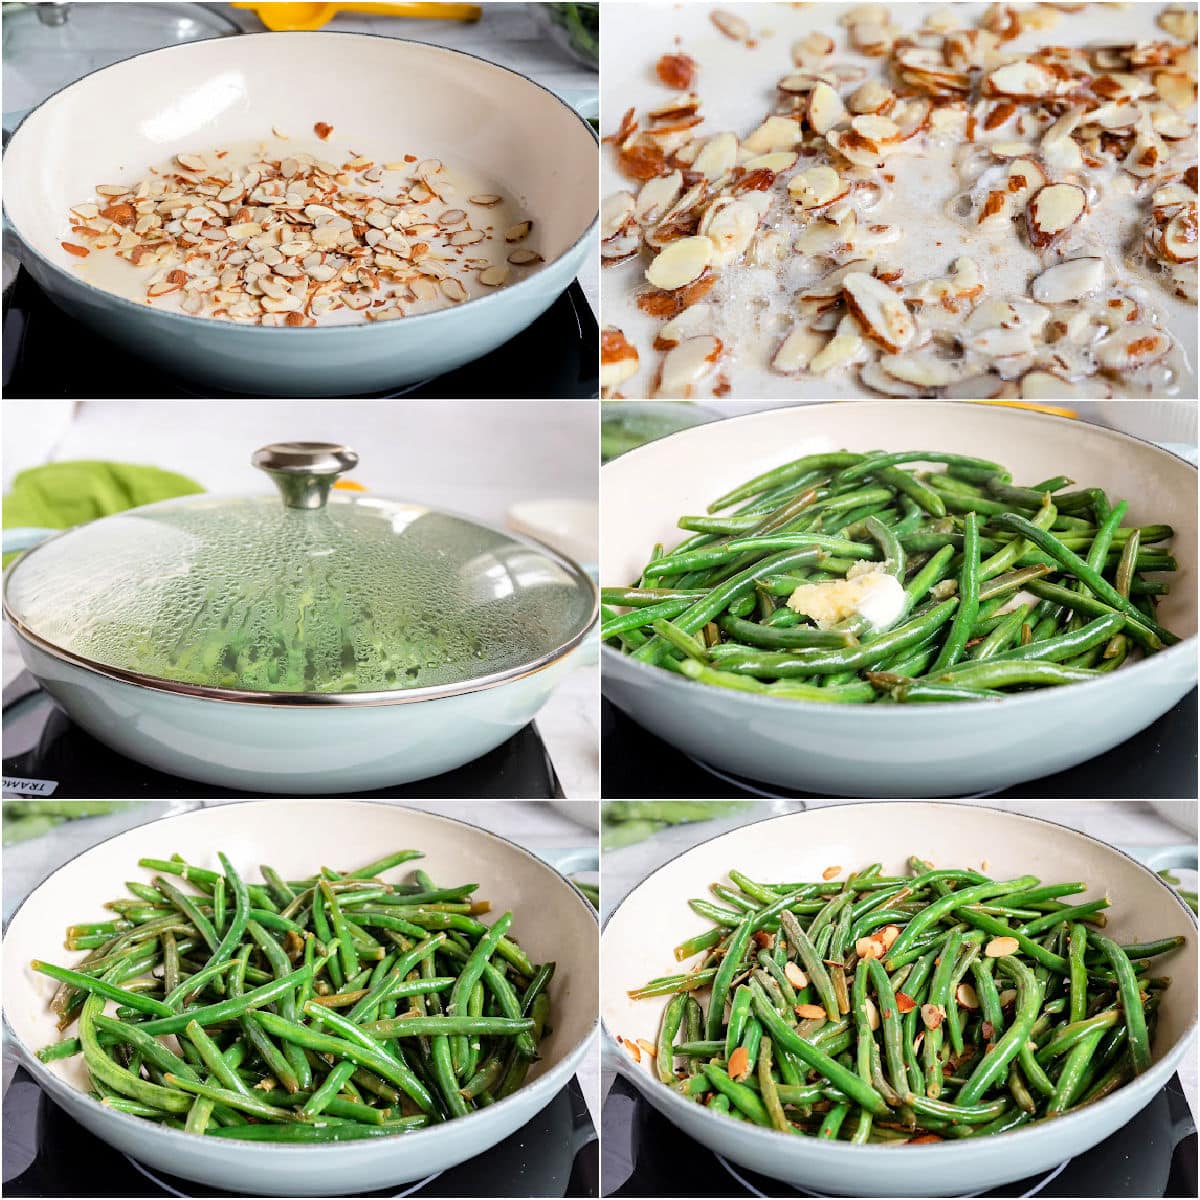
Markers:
1131,1002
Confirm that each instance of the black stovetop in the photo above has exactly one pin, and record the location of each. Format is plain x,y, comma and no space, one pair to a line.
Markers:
556,356
47,1153
1158,763
645,1155
42,743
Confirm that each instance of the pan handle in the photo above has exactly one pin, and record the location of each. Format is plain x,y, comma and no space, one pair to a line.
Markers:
24,537
585,101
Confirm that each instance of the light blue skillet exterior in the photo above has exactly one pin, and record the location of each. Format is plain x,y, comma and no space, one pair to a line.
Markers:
900,751
340,360
297,750
951,1168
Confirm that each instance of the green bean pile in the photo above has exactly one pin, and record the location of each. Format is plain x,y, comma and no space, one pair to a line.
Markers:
313,1010
1004,587
906,1008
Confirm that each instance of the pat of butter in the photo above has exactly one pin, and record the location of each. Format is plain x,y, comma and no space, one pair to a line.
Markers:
877,597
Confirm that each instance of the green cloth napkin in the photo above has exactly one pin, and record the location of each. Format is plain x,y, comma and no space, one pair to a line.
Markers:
59,495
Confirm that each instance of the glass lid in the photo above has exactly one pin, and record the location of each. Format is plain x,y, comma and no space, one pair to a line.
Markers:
318,596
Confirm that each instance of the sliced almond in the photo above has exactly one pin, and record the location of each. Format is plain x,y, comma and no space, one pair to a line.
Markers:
1023,79
816,187
518,232
1043,385
484,199
880,311
797,350
1132,347
730,24
966,996
1179,237
493,276
872,375
825,108
729,224
837,352
618,358
1070,280
795,976
932,1015
1001,947
680,262
718,156
656,197
872,1012
1052,211
688,363
524,258
191,162
926,369
809,1012
775,133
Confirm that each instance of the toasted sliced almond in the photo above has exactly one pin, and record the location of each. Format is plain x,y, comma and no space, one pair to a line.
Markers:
1043,385
518,232
1001,947
656,197
880,311
1023,79
926,369
1179,237
932,1015
809,1012
191,162
493,276
452,289
680,262
618,358
966,996
484,199
795,976
868,947
523,258
872,375
1052,211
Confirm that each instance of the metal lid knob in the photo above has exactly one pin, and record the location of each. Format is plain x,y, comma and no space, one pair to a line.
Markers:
304,471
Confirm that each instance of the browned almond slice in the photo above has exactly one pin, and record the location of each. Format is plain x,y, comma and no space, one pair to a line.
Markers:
518,232
717,157
1179,237
1052,211
618,358
880,311
1001,947
872,375
493,276
484,199
656,197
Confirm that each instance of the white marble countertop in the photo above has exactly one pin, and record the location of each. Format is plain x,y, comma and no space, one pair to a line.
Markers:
1128,824
538,826
476,458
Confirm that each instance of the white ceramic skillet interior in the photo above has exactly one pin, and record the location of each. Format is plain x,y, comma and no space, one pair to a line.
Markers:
897,750
638,938
551,919
383,97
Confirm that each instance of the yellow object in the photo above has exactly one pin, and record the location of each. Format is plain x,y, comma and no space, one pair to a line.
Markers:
349,485
280,16
1053,410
